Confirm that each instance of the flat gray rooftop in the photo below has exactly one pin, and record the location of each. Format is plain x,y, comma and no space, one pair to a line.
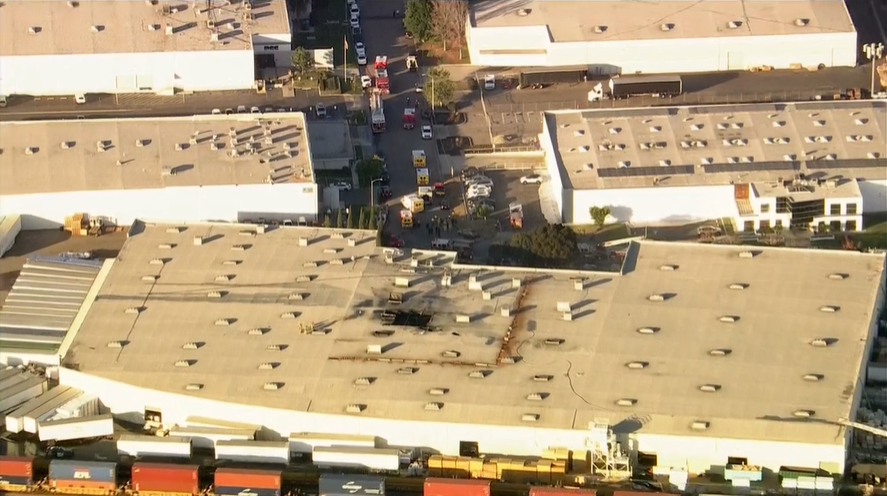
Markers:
330,140
323,364
719,144
629,20
31,27
115,154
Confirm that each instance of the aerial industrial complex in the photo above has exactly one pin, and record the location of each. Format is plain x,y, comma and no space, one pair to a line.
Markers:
692,353
666,37
798,165
139,47
218,167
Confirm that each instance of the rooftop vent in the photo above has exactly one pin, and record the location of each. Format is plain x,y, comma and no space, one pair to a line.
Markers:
778,123
720,352
433,406
710,388
822,342
835,276
600,29
738,286
524,12
479,374
438,391
813,377
829,309
637,365
700,425
407,370
746,254
185,363
275,347
224,322
554,341
734,24
97,28
656,297
364,381
728,319
133,311
648,330
451,354
193,387
668,268
542,378
73,4
31,150
116,344
190,346
626,402
804,413
537,396
34,29
666,27
149,278
272,386
861,122
801,22
873,155
624,164
818,123
355,408
530,417
268,365
153,27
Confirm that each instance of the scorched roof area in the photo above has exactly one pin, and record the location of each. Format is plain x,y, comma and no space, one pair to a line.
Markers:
721,144
323,321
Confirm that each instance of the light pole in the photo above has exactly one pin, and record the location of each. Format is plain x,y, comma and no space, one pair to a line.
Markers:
373,196
873,52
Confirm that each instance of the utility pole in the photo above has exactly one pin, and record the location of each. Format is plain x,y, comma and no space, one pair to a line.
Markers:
873,52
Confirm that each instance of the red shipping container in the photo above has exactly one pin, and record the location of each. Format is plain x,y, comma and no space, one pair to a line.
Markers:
84,484
561,491
258,479
456,487
164,477
16,466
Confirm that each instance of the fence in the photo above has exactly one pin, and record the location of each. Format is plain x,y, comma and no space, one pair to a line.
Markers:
701,98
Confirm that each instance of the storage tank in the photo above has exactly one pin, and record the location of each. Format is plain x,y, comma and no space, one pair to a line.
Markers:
78,474
457,487
16,471
348,485
165,478
233,482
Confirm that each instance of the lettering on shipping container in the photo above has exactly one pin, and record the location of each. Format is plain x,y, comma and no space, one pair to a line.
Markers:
246,492
353,487
82,474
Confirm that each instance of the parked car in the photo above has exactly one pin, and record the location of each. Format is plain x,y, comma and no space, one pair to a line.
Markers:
359,47
80,99
354,9
342,185
469,172
365,81
444,205
481,193
426,133
489,82
356,32
217,111
241,109
255,110
229,111
320,110
483,181
355,21
531,179
384,193
361,59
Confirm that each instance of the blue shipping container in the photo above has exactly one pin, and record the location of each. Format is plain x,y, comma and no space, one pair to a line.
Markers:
19,481
245,491
347,485
80,470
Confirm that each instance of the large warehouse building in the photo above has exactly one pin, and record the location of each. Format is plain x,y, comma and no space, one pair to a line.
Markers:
314,330
624,37
216,167
799,165
93,46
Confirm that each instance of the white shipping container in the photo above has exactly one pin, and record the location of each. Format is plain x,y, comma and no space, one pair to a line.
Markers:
22,393
219,424
77,428
47,410
254,451
15,420
305,442
85,405
10,377
352,457
166,447
207,437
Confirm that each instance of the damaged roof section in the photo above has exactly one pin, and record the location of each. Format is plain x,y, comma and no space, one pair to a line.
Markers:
44,301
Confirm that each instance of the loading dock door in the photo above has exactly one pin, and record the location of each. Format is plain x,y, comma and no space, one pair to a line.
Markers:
735,61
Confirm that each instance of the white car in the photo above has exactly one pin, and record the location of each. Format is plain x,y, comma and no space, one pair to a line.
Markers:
361,58
426,133
320,110
80,99
255,110
355,21
485,193
489,82
342,185
359,47
355,10
480,187
479,180
366,82
531,179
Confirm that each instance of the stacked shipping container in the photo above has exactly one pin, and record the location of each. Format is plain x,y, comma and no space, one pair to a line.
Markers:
231,481
562,491
348,485
16,471
165,478
83,476
456,487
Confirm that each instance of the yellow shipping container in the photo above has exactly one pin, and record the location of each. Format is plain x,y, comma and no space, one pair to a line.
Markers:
435,462
476,465
449,463
463,464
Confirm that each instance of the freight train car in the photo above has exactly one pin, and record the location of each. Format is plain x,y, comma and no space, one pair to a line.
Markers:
83,477
455,487
16,473
562,491
348,485
233,482
164,479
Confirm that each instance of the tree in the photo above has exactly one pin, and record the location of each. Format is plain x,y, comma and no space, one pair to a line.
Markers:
482,212
599,215
417,18
448,21
352,219
303,60
326,221
340,220
439,87
549,245
373,224
363,221
369,169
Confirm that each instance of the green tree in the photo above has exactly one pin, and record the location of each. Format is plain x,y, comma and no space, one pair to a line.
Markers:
326,221
417,18
352,218
599,215
340,220
482,212
369,169
439,86
373,224
363,221
547,246
303,60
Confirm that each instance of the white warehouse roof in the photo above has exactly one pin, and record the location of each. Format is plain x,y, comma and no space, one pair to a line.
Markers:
117,154
37,27
278,323
718,145
631,20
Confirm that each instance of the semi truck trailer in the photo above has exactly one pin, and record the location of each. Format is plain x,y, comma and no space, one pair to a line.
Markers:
628,86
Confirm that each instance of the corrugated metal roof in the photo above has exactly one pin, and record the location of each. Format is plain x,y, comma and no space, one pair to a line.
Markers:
44,300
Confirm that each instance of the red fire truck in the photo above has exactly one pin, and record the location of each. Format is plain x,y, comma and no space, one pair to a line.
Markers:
381,68
409,118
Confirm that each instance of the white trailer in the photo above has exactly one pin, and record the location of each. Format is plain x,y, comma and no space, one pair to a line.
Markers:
142,446
207,437
305,442
47,410
254,451
22,392
356,457
219,424
11,376
15,419
84,405
76,428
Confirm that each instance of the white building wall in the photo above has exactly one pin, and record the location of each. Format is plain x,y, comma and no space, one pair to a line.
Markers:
681,55
874,195
657,205
698,454
555,182
158,72
122,207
